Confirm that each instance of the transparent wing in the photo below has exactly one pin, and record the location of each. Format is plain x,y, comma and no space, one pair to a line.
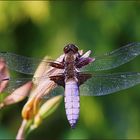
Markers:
115,58
59,90
105,84
15,83
22,64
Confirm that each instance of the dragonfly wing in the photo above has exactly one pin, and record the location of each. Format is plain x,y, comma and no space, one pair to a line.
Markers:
59,90
22,64
15,83
115,58
105,84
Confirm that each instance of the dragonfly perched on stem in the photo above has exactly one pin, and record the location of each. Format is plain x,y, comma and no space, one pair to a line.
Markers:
77,71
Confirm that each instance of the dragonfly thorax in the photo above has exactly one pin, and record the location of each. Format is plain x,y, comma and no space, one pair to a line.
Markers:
69,65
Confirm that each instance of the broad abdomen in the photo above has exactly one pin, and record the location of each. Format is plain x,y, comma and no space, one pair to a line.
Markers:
72,102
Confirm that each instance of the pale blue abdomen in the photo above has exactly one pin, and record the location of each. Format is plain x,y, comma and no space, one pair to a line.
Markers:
72,102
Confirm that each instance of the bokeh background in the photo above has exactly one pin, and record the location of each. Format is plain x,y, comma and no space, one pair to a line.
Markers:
43,28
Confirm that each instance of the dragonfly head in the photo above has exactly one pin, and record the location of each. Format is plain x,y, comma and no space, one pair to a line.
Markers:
70,47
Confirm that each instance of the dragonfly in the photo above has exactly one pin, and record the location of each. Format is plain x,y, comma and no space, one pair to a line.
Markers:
79,73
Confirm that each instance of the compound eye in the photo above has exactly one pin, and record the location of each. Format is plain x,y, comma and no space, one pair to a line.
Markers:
66,49
70,47
75,48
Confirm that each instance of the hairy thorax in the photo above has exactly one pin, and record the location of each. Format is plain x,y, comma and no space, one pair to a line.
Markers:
70,69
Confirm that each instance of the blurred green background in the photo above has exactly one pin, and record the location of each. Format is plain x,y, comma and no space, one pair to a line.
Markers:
43,28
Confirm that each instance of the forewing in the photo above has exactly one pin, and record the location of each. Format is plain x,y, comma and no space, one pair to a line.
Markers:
22,64
115,58
105,84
